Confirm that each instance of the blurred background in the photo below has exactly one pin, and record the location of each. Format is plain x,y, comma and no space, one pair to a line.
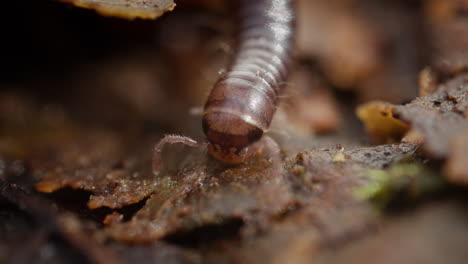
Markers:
111,71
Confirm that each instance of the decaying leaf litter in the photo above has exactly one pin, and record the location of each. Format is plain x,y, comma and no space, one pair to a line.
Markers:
94,139
130,9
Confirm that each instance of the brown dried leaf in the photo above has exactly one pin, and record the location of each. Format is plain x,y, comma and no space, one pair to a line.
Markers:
380,123
203,192
64,154
438,117
129,9
97,163
207,195
438,121
113,189
327,214
253,194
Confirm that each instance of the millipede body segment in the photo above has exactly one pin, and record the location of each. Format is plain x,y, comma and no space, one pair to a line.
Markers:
242,103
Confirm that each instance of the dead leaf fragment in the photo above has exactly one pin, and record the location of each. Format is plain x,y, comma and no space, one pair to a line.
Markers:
129,9
435,120
439,122
252,195
380,123
439,117
96,165
203,196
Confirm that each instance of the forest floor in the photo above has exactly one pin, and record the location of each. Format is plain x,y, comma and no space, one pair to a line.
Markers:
372,126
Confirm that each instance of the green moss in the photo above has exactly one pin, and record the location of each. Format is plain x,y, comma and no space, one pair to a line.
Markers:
411,180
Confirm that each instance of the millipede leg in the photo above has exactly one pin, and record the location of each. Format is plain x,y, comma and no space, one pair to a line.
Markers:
169,139
268,145
274,152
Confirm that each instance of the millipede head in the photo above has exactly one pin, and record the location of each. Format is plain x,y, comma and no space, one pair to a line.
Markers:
229,136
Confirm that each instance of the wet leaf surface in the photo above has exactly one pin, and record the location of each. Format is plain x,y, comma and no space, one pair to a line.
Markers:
254,195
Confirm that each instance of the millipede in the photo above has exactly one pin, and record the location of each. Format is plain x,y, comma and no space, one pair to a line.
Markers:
242,103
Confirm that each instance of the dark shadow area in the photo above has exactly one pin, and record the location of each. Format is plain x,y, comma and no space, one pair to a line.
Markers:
207,234
76,201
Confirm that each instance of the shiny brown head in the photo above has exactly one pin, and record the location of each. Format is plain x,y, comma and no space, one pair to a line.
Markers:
229,136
